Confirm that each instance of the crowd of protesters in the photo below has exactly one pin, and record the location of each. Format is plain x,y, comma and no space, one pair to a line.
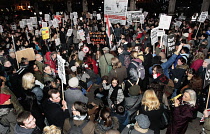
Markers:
122,87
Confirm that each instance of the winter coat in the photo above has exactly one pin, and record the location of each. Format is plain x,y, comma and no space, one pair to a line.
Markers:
54,113
120,73
101,129
120,95
22,130
88,129
40,65
132,73
130,101
196,64
72,95
181,116
154,117
135,130
103,64
50,61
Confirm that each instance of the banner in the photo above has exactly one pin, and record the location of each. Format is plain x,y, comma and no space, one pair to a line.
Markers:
165,22
207,77
97,37
61,69
154,37
203,17
116,10
45,33
26,53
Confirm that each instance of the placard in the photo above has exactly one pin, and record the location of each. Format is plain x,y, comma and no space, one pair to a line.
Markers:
165,22
98,16
44,24
61,69
57,42
69,32
154,37
203,17
45,33
47,17
1,29
26,53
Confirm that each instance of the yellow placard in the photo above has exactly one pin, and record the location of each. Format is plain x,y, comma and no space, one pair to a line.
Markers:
45,33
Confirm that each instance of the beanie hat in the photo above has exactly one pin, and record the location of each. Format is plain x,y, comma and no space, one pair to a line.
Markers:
143,121
73,82
207,60
4,98
73,68
134,90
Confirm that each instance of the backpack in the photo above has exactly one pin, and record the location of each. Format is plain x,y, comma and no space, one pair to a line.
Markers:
127,60
77,129
140,70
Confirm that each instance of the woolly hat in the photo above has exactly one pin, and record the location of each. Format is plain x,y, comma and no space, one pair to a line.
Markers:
73,68
143,121
4,98
105,49
134,90
74,82
207,60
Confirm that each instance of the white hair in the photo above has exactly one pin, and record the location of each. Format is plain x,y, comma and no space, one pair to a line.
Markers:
192,96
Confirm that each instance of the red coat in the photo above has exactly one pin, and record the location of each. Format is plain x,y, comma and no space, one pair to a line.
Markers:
49,61
196,64
91,61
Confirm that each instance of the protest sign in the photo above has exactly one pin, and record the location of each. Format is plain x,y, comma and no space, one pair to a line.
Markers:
30,27
47,17
69,32
57,41
98,16
75,14
50,23
21,23
54,23
66,17
97,37
142,19
26,53
14,27
178,23
165,22
61,69
44,24
207,77
58,18
115,10
75,21
71,16
45,33
203,17
160,32
1,29
171,44
33,20
24,22
154,37
36,32
91,16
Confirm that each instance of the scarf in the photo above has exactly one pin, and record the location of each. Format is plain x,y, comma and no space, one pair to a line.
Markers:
113,96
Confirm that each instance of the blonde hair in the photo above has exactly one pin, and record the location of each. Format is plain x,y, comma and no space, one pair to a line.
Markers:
116,63
199,55
150,100
51,130
28,80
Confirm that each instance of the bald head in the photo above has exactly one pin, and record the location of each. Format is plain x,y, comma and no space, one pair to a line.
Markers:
38,57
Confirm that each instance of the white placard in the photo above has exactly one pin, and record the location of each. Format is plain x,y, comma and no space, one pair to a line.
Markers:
203,17
178,23
55,23
33,20
57,13
21,23
75,21
37,32
30,27
47,17
160,32
69,33
115,10
1,29
57,42
13,27
98,16
24,22
66,17
71,16
91,16
142,19
61,69
50,23
165,22
44,24
154,37
75,14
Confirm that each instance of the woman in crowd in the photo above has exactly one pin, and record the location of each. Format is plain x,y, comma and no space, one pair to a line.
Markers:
115,95
117,71
182,113
153,109
197,61
79,111
106,121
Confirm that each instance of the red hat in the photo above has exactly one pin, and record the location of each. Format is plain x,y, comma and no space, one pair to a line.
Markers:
3,98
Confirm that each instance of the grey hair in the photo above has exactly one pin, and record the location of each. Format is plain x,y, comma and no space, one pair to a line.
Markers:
192,96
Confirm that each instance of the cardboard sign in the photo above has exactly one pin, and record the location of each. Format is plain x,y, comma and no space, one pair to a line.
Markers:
154,37
45,33
26,53
165,22
61,69
69,33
